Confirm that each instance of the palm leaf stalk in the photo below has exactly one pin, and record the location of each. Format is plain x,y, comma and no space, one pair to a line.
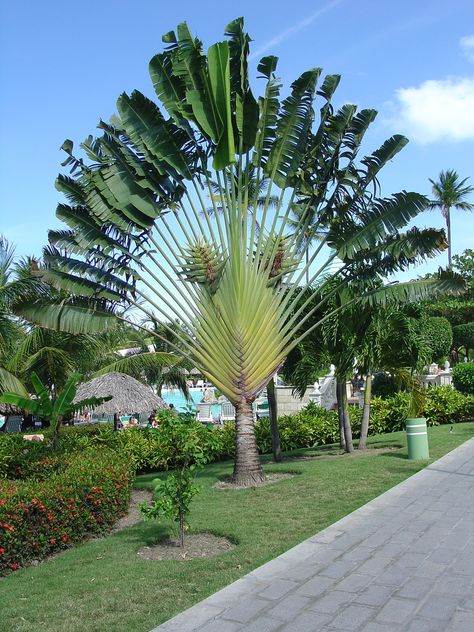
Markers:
140,234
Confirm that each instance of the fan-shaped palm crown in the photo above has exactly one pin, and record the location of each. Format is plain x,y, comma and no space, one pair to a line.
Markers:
139,231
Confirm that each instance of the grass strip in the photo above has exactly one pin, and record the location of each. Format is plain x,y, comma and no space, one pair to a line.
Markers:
103,586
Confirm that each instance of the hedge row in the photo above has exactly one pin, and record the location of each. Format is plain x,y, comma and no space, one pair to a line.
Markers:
148,448
82,495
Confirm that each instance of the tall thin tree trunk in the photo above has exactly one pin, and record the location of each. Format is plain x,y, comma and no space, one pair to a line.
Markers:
347,420
273,413
181,529
364,427
116,422
448,225
340,413
247,467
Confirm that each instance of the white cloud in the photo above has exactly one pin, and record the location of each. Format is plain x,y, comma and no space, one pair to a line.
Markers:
437,110
467,46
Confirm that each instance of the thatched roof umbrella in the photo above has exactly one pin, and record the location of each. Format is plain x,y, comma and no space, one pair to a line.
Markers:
128,394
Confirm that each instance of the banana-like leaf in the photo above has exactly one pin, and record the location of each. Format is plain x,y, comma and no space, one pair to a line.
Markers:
42,393
292,129
65,397
219,79
11,384
383,217
24,403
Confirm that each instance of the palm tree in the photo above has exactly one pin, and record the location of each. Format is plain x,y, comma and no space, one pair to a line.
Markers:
140,235
450,192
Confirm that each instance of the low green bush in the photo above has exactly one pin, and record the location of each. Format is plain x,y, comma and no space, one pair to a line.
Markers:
463,377
445,405
85,497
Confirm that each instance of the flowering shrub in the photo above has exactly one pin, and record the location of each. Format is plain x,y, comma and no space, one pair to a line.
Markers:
85,496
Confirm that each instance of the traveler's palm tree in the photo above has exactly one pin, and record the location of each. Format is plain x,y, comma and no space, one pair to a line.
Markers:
449,192
140,234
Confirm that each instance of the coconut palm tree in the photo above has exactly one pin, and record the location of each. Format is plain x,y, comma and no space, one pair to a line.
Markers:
140,235
450,192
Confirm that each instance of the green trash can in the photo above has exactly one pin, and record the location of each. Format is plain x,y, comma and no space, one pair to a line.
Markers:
417,438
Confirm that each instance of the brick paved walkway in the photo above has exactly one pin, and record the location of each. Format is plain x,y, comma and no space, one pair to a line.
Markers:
403,562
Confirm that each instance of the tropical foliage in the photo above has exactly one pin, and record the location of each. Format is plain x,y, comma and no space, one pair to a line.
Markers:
139,233
53,410
449,191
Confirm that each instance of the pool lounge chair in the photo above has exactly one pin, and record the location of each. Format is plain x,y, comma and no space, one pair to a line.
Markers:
227,412
261,408
204,414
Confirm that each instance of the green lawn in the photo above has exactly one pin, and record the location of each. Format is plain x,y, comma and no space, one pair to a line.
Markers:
103,586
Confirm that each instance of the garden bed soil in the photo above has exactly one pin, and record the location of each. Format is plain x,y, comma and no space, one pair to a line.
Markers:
133,516
272,477
196,546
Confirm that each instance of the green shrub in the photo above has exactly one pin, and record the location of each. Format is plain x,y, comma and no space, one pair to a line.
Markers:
463,377
38,517
444,405
383,385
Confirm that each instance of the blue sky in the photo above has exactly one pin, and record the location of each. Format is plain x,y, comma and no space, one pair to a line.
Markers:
64,66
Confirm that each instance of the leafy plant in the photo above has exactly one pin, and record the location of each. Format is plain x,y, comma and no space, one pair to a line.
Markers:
463,377
53,409
183,451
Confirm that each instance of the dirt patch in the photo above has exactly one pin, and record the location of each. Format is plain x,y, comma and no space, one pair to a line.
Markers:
196,546
133,516
270,478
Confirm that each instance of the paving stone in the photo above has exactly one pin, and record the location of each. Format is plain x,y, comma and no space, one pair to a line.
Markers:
277,588
352,617
461,622
332,601
184,622
374,566
219,625
415,588
338,569
373,626
245,609
394,576
430,569
452,584
315,586
439,608
425,625
354,583
360,553
375,595
289,607
263,623
308,622
396,610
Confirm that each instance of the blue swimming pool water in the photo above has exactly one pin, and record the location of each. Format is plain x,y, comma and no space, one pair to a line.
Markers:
175,397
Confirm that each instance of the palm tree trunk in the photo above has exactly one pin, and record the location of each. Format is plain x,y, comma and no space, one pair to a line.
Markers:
247,467
448,226
273,412
347,420
340,413
364,428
